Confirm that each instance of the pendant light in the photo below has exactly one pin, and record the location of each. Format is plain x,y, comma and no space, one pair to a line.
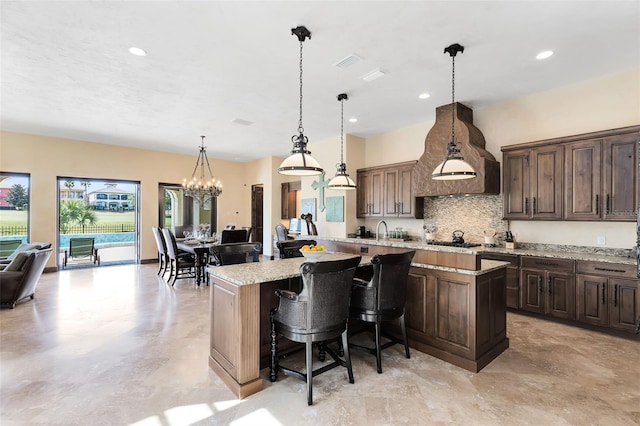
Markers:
342,180
199,189
453,167
300,162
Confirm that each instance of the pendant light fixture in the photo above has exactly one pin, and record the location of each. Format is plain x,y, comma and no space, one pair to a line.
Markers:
342,180
300,162
453,167
198,189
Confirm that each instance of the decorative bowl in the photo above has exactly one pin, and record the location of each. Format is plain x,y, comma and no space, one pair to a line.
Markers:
312,256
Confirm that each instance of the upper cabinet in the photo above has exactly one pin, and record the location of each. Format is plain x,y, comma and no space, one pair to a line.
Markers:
386,191
584,177
369,193
533,183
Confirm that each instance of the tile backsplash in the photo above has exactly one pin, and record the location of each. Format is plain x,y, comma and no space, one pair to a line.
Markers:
473,214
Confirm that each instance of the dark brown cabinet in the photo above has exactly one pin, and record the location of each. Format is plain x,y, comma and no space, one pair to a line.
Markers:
513,276
398,196
386,191
547,286
607,295
369,193
288,200
621,177
599,181
601,178
532,183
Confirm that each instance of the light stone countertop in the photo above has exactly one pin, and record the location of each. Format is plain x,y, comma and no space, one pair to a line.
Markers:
419,245
271,270
485,266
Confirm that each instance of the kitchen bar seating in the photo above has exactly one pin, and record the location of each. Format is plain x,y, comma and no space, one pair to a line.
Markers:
291,248
317,314
382,298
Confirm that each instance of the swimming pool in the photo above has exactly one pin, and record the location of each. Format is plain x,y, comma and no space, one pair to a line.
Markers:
116,238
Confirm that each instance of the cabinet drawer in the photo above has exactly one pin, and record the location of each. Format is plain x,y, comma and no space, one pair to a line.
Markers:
607,269
511,258
547,263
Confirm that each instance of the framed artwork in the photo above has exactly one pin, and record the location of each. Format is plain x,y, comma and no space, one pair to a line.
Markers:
308,205
335,209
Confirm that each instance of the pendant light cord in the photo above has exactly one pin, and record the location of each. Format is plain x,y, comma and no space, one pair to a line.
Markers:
453,86
342,131
300,128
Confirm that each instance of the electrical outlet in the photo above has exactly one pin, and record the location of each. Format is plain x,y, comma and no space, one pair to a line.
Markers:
601,240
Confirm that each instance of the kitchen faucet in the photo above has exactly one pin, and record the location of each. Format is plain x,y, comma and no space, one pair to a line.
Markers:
378,230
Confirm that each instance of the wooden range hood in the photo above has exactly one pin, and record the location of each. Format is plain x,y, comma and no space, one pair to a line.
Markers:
471,144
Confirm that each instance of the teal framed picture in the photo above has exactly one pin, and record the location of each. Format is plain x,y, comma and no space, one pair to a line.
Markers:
335,209
308,205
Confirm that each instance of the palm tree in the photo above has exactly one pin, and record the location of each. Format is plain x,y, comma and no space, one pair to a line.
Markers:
86,185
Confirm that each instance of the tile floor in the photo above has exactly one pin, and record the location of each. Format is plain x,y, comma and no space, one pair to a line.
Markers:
116,346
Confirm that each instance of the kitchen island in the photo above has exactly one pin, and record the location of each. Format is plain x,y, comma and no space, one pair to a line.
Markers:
454,298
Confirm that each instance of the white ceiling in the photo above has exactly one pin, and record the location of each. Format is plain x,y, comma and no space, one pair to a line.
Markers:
66,70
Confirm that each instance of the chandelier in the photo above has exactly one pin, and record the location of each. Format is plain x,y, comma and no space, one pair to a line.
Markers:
342,179
453,167
300,162
199,189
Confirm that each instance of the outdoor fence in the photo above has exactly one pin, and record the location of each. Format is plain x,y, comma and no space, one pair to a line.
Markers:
78,229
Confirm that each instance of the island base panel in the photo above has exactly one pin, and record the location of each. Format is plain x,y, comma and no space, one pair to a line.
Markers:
240,390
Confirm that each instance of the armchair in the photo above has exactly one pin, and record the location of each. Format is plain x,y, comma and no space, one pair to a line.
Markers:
20,278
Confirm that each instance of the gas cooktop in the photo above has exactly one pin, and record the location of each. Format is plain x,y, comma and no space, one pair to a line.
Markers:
452,244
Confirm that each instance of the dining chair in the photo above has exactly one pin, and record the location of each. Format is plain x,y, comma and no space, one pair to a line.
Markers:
281,232
162,250
182,265
234,253
317,314
233,236
382,298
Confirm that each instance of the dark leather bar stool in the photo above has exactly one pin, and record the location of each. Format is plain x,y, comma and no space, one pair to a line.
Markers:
382,298
291,248
317,314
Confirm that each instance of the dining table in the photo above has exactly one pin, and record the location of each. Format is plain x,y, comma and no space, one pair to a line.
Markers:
200,249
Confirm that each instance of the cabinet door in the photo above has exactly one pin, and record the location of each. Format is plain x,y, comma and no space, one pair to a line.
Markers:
546,182
391,195
592,297
582,199
624,304
560,295
621,177
531,290
363,190
369,201
406,202
515,190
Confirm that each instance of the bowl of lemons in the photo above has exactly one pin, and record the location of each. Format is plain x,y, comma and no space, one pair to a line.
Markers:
313,252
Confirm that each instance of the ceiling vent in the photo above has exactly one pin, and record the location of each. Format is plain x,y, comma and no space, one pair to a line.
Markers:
348,61
471,144
373,75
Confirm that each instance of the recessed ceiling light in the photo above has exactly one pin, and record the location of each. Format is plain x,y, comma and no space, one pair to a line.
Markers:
423,95
545,54
137,51
353,120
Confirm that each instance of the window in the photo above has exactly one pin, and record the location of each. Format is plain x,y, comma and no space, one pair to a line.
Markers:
14,206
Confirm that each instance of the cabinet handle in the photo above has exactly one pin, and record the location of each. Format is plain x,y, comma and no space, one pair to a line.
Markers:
609,270
608,204
603,290
597,204
526,205
534,206
540,283
615,295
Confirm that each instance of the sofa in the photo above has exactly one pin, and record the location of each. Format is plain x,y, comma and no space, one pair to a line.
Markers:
19,278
